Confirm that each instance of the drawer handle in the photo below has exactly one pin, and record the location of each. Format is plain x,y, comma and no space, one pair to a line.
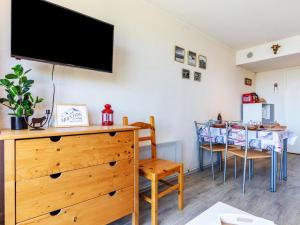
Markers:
55,138
112,193
55,175
112,134
113,163
55,212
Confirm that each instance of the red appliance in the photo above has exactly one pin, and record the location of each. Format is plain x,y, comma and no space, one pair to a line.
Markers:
250,98
107,116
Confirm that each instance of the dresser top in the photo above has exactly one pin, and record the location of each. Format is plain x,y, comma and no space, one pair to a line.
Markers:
7,134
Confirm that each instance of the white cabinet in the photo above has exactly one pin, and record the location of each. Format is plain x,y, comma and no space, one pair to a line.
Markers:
258,112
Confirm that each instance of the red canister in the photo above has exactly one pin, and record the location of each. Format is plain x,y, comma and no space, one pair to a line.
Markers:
250,98
107,116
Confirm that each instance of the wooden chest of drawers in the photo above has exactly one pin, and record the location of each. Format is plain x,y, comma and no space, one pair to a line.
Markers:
62,176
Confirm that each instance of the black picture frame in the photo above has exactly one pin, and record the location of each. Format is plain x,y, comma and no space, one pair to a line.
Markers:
186,74
179,55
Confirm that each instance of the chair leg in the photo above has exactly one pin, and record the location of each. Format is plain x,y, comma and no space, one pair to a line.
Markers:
154,200
281,168
252,168
220,158
244,176
235,166
249,168
181,188
212,164
225,166
201,158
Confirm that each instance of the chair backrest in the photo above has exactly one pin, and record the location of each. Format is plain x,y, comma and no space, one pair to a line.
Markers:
201,128
203,131
243,127
145,126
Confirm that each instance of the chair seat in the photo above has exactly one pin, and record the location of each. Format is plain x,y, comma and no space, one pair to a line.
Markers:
159,167
217,147
252,154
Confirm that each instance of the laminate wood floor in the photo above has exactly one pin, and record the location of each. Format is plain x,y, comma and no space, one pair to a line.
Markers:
201,192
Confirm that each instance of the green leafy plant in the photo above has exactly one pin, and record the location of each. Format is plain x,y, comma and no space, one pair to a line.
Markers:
18,98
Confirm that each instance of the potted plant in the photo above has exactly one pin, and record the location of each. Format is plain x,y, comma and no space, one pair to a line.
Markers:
19,100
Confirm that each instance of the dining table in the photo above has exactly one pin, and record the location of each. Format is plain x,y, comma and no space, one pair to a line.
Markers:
275,141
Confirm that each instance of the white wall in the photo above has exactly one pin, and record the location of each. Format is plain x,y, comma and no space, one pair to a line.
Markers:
286,99
289,46
265,89
146,79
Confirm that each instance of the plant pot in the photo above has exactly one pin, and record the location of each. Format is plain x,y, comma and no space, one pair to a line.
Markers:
18,123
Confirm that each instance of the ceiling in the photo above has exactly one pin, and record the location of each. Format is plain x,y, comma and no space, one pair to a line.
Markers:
238,23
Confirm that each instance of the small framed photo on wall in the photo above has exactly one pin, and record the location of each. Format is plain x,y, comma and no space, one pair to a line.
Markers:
197,76
248,81
185,74
71,116
202,62
192,58
179,54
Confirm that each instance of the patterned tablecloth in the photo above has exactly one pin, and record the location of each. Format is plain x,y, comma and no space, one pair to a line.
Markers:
263,139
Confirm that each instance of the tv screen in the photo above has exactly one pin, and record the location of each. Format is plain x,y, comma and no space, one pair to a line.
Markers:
45,32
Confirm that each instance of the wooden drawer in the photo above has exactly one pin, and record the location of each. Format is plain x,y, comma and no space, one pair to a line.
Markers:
101,210
38,196
45,156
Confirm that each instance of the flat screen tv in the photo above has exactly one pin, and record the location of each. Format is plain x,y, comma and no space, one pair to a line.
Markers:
45,32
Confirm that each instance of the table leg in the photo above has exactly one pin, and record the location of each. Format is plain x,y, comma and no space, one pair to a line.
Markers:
285,159
281,167
273,171
249,167
271,174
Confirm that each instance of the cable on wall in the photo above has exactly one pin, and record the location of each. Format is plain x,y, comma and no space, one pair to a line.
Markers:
53,95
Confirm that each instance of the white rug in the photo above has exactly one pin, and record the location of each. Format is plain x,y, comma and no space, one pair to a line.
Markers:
220,210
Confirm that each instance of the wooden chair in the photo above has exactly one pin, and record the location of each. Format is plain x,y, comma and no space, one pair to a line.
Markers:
156,170
246,154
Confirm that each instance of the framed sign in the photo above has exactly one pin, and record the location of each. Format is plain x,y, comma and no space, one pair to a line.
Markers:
248,81
71,116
